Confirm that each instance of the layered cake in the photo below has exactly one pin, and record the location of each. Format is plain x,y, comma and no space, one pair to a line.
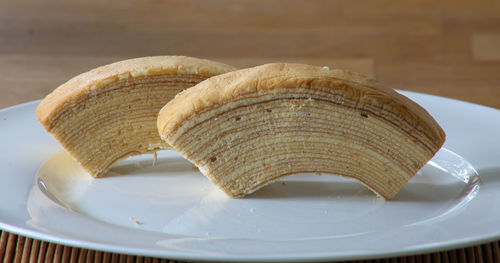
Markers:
110,112
247,128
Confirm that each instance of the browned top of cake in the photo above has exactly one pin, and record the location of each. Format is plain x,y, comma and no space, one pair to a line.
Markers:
218,90
77,88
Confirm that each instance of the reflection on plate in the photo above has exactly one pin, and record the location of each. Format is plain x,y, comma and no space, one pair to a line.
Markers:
173,211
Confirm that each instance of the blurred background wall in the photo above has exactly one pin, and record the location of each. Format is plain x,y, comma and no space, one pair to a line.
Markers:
449,48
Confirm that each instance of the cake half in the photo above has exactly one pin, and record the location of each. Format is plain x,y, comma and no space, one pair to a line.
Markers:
110,112
247,128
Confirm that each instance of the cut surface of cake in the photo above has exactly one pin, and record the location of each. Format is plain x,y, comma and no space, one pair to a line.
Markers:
247,128
110,112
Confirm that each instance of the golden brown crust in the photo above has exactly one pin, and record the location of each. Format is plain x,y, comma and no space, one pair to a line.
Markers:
218,90
77,88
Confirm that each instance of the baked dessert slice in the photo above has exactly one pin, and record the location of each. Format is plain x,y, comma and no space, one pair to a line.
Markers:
110,112
247,128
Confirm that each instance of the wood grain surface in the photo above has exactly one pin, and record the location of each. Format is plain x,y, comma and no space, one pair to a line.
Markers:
449,48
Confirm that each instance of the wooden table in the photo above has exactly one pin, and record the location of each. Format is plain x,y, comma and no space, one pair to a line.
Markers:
448,48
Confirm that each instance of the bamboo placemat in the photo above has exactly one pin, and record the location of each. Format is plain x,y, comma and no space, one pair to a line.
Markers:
16,248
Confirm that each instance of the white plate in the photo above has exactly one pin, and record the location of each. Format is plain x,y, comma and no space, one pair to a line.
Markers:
172,211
